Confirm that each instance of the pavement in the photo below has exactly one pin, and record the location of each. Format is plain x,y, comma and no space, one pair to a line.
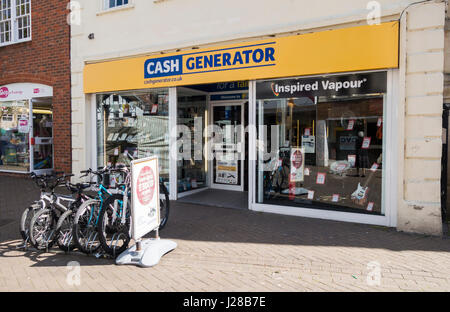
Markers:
223,249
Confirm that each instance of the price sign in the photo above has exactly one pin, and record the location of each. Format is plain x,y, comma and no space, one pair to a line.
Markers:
145,196
321,178
366,142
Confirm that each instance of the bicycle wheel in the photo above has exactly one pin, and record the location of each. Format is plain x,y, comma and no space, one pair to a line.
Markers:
113,234
164,204
64,231
42,229
84,231
25,220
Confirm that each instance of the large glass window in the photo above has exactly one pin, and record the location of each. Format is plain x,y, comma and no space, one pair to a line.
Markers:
134,123
14,136
320,142
191,118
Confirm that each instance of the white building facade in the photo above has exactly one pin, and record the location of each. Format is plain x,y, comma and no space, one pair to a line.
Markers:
329,110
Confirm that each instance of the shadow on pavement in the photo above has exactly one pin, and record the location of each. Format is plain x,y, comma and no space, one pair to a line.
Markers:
212,224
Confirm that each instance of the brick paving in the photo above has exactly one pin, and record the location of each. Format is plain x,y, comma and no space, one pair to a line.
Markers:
233,250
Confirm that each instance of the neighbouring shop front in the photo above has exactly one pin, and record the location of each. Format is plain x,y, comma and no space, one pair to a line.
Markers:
302,125
26,128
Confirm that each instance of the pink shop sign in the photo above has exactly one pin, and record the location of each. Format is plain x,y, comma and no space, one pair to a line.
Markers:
5,92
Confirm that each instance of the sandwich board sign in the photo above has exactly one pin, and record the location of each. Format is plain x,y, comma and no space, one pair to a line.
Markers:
145,216
144,197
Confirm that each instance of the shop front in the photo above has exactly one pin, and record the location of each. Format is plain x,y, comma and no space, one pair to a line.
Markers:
300,125
26,138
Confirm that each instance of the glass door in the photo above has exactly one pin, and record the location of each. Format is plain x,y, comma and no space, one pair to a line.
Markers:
227,144
42,141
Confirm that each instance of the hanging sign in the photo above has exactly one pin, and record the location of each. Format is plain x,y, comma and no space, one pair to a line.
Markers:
145,196
366,142
351,124
374,167
297,164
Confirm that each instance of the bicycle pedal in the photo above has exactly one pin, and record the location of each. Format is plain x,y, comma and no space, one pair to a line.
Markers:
23,246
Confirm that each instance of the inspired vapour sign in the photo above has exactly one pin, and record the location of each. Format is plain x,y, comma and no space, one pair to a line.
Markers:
342,85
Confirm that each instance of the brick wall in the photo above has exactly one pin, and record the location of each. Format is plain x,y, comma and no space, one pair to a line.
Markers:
420,207
46,60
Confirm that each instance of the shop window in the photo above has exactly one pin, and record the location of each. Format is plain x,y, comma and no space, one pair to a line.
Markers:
191,165
110,4
15,21
134,124
14,136
320,142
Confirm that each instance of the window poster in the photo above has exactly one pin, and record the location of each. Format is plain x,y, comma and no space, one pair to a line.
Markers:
227,172
309,144
321,178
297,164
154,108
374,167
366,142
352,160
351,124
335,198
311,195
370,206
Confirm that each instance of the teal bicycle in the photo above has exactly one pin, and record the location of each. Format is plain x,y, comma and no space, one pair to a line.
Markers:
85,222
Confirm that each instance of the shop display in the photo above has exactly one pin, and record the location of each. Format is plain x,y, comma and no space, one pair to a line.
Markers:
125,121
341,138
191,170
14,136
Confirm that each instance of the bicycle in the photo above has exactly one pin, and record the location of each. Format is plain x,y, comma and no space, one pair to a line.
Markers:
277,177
42,231
86,218
64,227
44,183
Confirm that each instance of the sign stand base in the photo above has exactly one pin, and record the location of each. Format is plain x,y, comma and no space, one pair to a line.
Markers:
149,254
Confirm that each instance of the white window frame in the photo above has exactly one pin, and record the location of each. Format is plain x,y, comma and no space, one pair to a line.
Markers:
389,195
15,25
107,7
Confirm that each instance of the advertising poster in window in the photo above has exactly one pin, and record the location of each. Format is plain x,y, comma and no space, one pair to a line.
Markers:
297,164
23,126
309,144
145,196
227,172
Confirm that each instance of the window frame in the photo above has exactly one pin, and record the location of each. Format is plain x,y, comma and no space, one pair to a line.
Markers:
15,24
106,5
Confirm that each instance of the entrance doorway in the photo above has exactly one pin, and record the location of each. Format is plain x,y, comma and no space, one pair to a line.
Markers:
228,146
215,174
42,135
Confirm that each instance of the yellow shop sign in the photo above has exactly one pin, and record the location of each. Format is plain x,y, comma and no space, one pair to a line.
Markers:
350,49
